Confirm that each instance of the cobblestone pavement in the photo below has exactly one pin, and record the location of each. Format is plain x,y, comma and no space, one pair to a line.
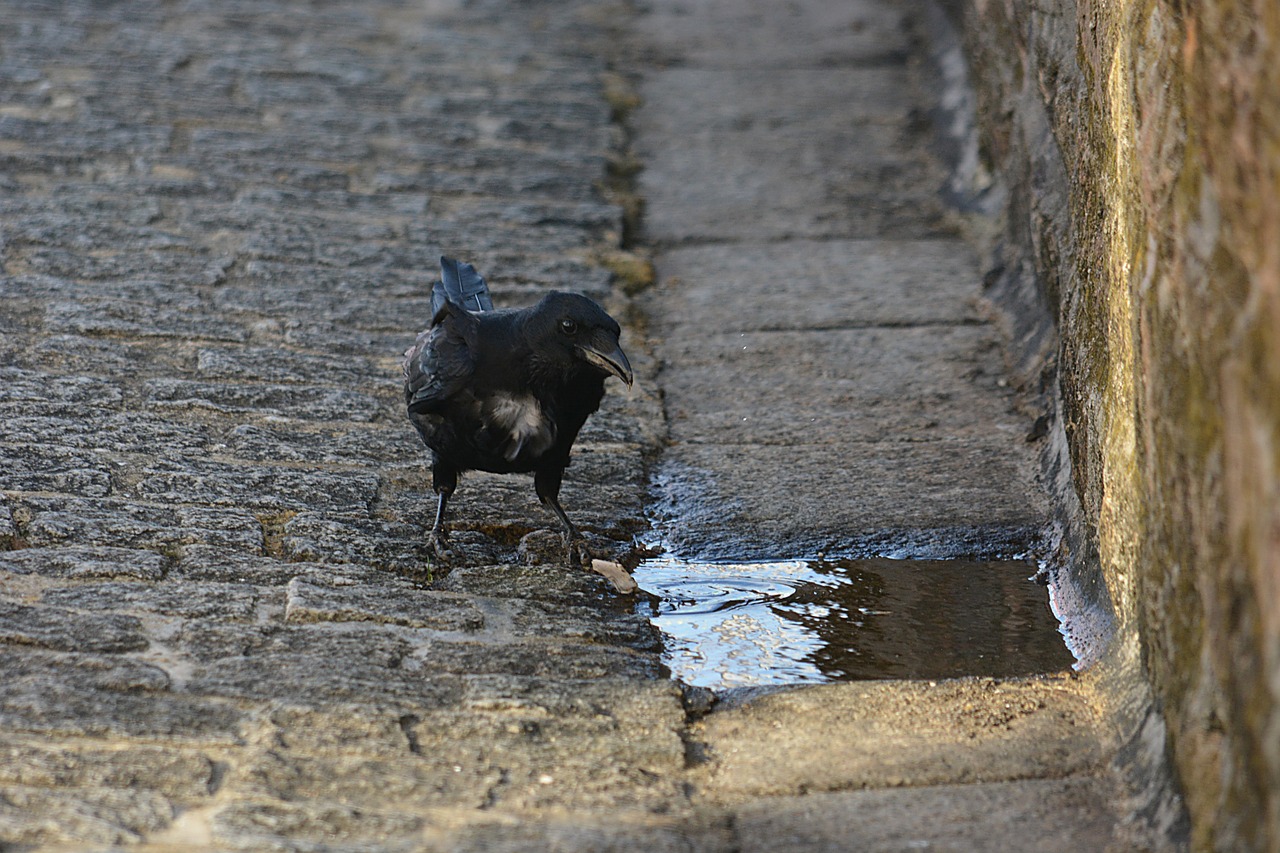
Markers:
220,628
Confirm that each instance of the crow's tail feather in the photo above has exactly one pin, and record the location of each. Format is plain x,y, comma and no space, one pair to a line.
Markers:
461,284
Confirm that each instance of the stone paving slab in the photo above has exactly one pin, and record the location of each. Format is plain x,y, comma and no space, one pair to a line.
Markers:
823,284
903,499
1050,815
830,144
810,35
894,734
904,384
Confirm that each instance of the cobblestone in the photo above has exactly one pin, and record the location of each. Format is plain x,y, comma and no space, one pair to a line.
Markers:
220,623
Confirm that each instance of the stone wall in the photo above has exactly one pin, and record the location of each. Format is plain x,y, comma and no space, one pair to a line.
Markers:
1138,143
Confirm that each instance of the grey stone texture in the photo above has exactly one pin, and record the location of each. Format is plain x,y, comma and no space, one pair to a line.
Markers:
220,628
832,379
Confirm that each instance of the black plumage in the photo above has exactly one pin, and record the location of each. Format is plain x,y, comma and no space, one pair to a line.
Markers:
508,390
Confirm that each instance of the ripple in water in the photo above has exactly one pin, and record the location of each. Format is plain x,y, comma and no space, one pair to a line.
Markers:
808,621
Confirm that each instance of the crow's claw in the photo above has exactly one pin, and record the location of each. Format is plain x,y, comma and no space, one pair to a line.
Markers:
440,546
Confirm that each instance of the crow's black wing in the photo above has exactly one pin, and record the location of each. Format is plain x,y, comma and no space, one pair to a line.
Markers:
460,283
441,361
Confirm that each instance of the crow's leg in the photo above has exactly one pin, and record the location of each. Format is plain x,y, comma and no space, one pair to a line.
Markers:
443,481
546,482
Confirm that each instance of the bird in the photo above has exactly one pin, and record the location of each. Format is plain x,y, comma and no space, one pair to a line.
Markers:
507,390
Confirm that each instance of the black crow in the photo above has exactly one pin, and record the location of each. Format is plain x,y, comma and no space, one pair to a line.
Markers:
508,390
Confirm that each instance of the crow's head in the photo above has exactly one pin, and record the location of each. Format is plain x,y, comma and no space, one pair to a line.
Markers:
569,331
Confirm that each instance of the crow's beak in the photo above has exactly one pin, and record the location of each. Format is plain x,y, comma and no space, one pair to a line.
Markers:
612,361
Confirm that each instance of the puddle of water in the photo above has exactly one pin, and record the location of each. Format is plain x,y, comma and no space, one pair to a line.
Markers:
742,624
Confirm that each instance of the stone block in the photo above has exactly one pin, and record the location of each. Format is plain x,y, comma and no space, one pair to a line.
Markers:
366,444
30,392
276,366
87,359
75,562
137,525
579,623
559,659
182,776
898,733
818,284
357,538
309,600
833,145
553,584
213,564
101,817
222,601
305,402
92,315
54,468
1052,815
313,827
874,384
259,486
119,432
109,697
967,498
619,833
69,631
311,663
764,36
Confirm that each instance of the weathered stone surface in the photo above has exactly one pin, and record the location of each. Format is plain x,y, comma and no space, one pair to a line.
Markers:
33,392
50,468
314,663
98,816
220,223
1058,815
820,284
271,365
179,775
890,734
1139,231
549,583
551,658
68,631
7,529
730,121
112,523
124,433
109,698
105,316
874,384
232,602
355,538
354,444
837,35
257,486
968,499
311,827
581,623
620,832
78,562
310,601
203,563
307,402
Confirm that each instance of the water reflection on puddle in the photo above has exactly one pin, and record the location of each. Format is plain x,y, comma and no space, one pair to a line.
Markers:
740,624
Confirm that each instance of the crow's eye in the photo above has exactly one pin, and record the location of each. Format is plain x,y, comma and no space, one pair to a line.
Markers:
568,326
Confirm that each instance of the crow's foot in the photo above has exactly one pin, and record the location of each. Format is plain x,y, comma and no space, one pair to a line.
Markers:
440,545
577,553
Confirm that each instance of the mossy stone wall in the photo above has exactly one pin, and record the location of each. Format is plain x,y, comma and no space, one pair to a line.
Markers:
1139,143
